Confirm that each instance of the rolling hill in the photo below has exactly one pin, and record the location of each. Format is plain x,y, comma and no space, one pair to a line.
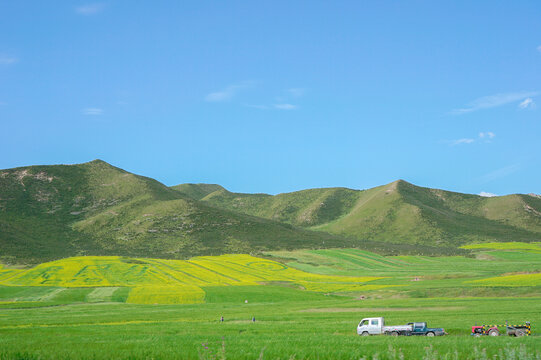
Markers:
52,212
398,212
58,211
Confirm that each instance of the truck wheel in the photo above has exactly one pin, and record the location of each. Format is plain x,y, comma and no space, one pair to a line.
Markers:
519,333
430,334
365,333
394,333
494,332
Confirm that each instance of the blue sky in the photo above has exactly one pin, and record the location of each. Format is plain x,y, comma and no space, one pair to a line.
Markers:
277,96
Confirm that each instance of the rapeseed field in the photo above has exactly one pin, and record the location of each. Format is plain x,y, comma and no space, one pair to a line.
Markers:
512,280
172,281
94,279
179,294
535,246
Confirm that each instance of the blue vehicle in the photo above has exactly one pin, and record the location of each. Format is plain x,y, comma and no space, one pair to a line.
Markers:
420,328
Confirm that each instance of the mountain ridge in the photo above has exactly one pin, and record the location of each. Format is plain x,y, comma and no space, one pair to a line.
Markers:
49,212
396,212
94,208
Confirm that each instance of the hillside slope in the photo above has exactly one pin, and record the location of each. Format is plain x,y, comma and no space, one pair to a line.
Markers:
302,208
51,212
197,191
398,212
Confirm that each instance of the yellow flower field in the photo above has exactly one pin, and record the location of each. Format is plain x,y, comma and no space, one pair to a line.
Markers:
505,246
180,294
7,273
173,281
511,280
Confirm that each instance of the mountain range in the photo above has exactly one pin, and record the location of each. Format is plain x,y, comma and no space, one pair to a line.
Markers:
54,211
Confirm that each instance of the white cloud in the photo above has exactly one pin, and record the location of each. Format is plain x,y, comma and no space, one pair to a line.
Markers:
7,60
296,92
462,141
226,94
486,194
539,48
285,106
487,102
527,103
92,111
90,9
487,135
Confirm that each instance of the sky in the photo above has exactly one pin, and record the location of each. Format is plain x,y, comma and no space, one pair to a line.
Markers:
277,96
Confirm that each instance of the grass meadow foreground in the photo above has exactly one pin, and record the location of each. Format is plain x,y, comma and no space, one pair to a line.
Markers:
57,312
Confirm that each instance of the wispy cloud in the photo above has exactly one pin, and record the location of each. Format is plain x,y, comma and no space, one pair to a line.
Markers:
539,48
3,103
92,111
487,194
90,9
528,103
285,106
487,102
7,59
500,173
462,141
487,135
228,93
296,92
231,91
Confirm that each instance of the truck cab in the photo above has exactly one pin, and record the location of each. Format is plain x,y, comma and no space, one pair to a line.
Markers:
370,326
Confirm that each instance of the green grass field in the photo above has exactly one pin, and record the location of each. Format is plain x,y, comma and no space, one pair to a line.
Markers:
80,308
289,324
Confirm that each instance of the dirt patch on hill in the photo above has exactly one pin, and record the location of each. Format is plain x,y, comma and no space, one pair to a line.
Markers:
484,256
333,310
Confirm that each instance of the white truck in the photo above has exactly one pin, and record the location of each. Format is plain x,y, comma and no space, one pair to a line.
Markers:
376,326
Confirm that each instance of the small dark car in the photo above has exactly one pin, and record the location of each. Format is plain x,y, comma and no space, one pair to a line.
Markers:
420,328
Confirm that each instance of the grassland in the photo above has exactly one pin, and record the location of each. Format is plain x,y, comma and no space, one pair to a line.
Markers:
85,308
289,324
484,274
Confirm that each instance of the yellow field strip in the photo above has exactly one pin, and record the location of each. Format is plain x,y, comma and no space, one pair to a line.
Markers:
175,281
505,246
511,280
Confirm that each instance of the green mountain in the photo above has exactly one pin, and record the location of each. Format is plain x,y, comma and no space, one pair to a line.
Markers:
398,212
51,212
197,191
